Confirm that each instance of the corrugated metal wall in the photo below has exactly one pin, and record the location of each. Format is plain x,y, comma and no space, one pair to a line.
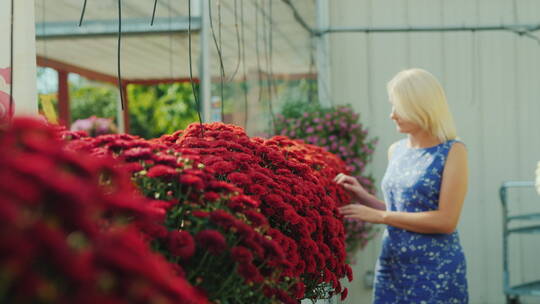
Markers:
492,80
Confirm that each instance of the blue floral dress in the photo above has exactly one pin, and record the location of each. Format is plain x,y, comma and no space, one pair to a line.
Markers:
415,267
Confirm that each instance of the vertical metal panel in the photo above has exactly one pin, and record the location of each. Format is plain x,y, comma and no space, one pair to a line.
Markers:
491,80
23,83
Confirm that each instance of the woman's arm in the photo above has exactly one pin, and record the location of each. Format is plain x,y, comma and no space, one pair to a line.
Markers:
358,192
443,220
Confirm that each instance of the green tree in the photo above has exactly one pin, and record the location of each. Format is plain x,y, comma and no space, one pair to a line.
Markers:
91,100
160,109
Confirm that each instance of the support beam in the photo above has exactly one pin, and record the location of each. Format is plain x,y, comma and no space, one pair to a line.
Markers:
61,66
105,28
324,88
63,99
520,29
159,81
97,76
204,70
17,72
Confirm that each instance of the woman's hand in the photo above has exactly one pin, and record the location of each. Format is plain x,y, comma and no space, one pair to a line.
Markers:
352,185
363,213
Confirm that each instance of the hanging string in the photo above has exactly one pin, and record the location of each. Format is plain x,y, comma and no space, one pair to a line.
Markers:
257,52
11,38
169,21
119,57
214,37
268,79
237,41
218,48
43,27
271,46
219,26
82,13
245,88
191,71
154,13
270,76
311,87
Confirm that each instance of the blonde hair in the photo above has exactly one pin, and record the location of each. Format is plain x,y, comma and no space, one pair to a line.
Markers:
418,97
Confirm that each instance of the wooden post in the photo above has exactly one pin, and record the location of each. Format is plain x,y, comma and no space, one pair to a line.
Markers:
63,99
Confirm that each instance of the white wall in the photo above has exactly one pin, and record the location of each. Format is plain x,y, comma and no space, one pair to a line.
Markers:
492,80
24,71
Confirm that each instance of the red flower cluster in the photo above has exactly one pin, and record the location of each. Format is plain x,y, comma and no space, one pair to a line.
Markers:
215,234
338,131
64,237
293,183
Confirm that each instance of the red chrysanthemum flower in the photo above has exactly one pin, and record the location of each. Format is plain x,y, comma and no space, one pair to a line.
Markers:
344,294
181,244
161,171
211,240
241,254
192,181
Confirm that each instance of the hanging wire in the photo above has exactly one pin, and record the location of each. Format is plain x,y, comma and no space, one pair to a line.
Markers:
219,25
119,57
11,38
267,65
222,77
311,87
43,25
214,36
299,18
271,46
191,70
237,41
257,52
171,72
82,13
271,82
44,28
218,48
154,13
244,87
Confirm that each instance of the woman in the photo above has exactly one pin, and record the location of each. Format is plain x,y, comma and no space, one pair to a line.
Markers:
424,187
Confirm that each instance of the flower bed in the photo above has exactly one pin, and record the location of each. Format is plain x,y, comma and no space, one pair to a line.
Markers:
213,233
297,200
241,219
338,131
66,232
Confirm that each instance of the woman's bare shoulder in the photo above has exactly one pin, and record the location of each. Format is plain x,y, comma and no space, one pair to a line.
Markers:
391,149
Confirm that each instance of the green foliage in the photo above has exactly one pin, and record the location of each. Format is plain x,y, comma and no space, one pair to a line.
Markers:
296,110
160,109
87,101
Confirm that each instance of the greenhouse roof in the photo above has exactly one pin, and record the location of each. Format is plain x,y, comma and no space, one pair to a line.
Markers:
160,52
